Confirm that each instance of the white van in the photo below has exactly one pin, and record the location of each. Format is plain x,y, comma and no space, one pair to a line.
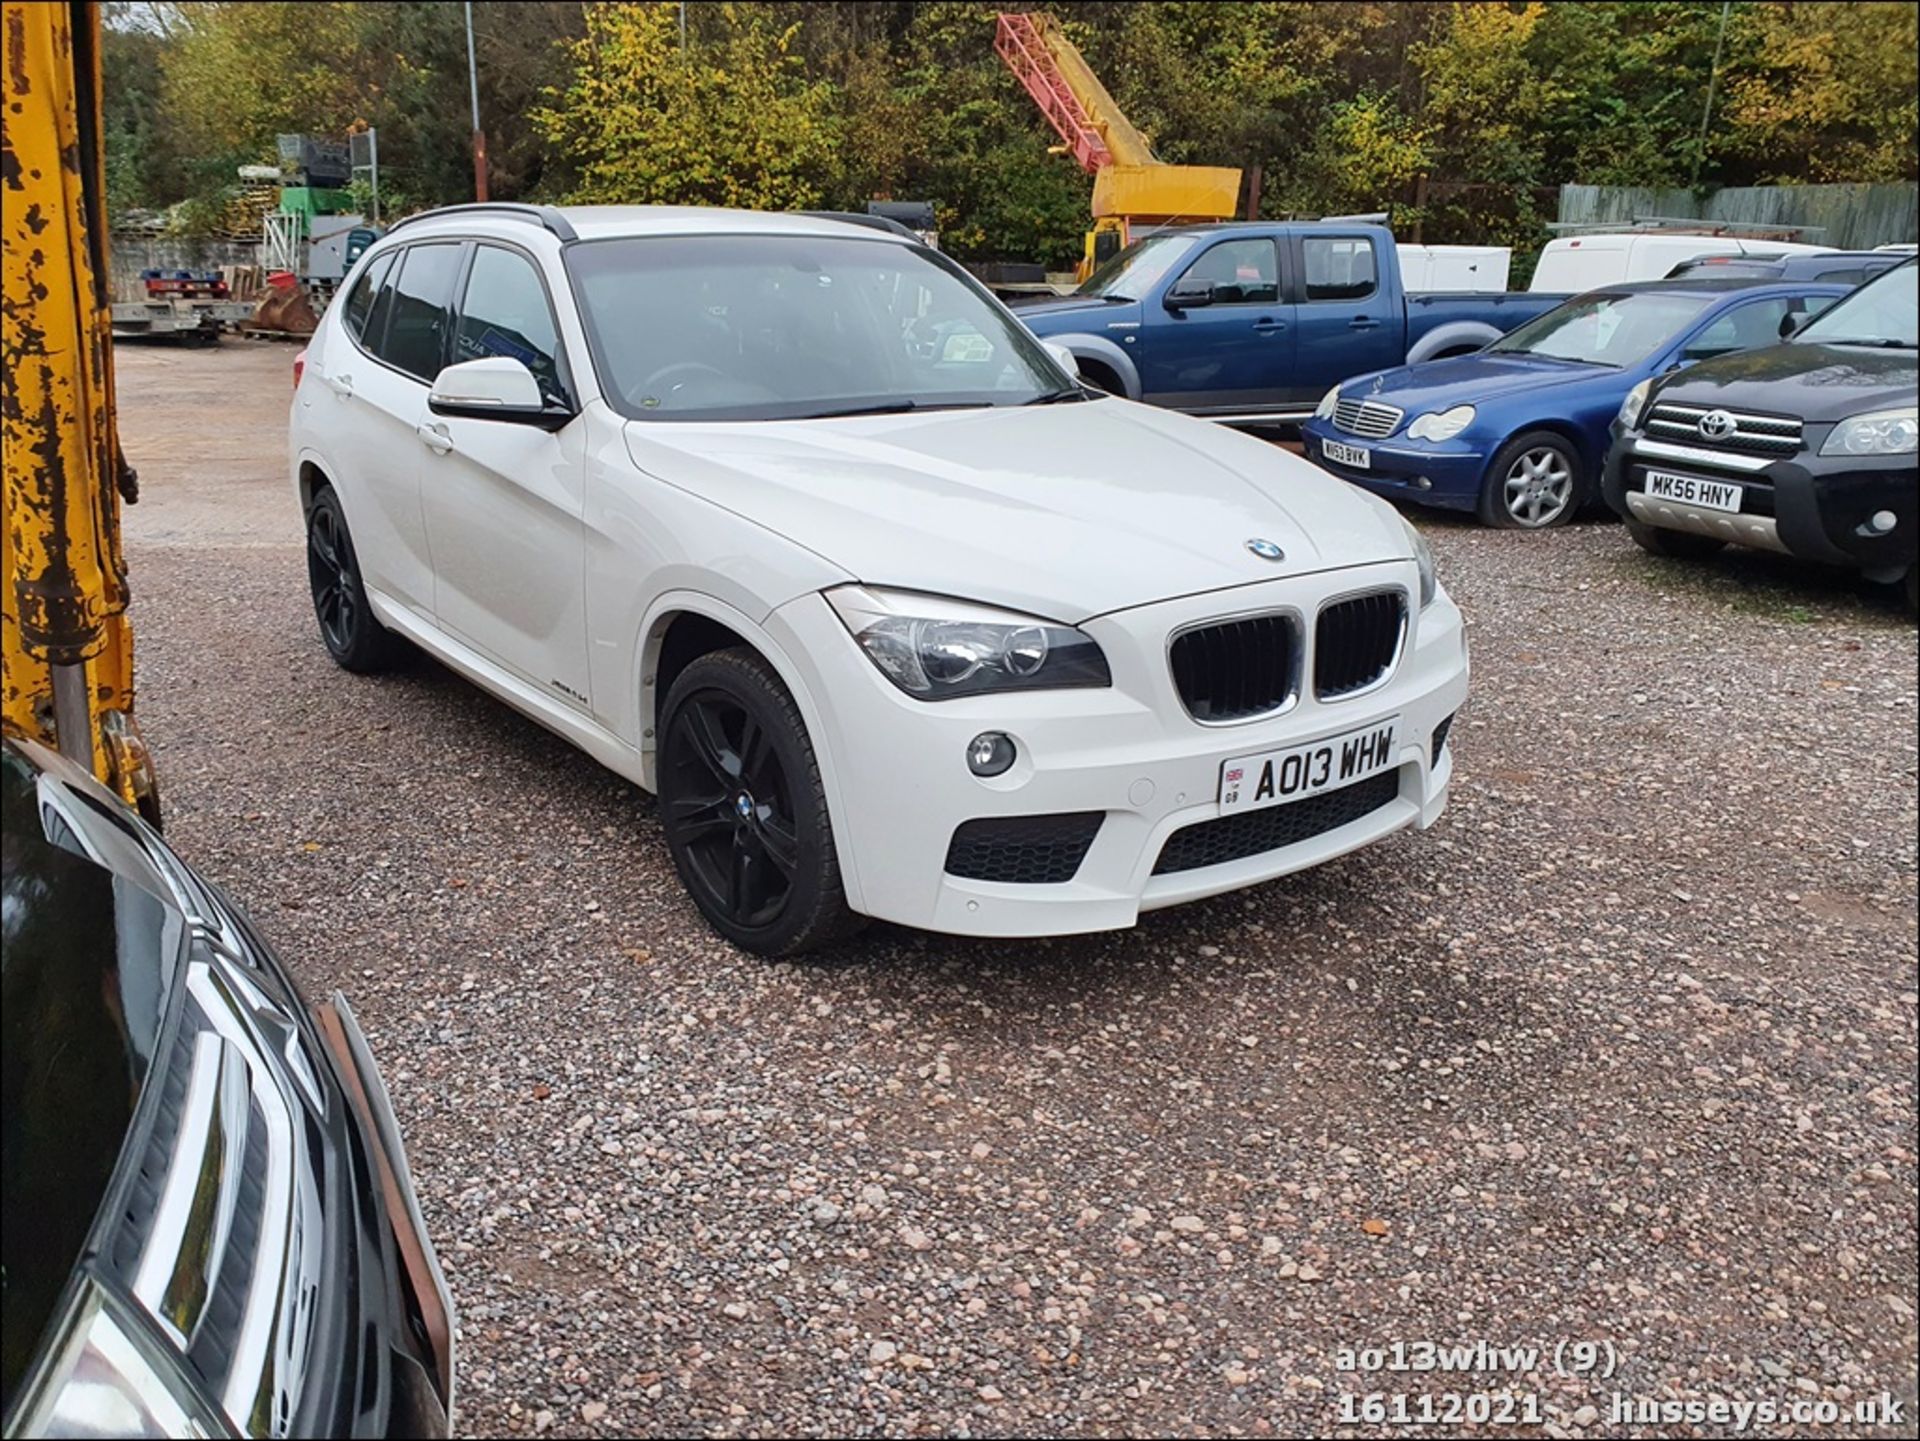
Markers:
1449,269
1576,263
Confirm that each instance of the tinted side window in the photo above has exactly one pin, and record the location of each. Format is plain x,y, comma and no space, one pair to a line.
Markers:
1339,267
1742,328
416,334
1243,272
505,312
1852,275
382,304
360,302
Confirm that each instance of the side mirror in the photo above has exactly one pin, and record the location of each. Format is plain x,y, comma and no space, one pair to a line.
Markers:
1792,321
1066,359
1189,294
496,388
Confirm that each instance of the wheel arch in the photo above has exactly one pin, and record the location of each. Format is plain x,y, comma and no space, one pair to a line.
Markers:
1562,429
1098,350
310,478
1456,337
680,627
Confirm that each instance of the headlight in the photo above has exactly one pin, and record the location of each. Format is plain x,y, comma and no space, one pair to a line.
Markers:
1630,407
104,1380
1444,426
934,648
1422,557
1883,432
1324,410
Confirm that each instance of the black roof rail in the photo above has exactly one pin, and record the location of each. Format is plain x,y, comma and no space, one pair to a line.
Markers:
543,215
853,217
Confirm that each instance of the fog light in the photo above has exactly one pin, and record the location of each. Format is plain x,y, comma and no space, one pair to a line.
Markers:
1883,521
990,753
1420,482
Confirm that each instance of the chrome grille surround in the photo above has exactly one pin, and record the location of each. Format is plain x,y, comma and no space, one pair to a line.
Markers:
1770,435
1369,418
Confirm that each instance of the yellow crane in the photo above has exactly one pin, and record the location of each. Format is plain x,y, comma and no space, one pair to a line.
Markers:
65,643
1130,186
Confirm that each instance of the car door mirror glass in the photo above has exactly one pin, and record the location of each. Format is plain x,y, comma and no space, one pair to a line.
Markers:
1189,294
496,388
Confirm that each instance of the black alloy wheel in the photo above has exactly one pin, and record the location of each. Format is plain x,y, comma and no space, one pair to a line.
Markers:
744,810
732,808
354,638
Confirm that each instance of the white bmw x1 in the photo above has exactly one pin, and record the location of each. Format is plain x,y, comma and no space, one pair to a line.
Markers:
787,520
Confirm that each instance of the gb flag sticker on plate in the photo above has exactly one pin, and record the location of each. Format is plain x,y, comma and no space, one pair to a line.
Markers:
1273,778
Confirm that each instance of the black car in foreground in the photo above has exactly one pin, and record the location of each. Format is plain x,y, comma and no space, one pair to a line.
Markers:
1806,447
209,1229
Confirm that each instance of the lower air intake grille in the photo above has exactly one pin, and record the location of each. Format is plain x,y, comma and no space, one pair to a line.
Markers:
1233,838
1355,642
1236,669
1440,733
1023,850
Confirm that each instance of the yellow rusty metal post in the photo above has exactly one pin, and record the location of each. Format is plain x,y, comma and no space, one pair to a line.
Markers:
68,649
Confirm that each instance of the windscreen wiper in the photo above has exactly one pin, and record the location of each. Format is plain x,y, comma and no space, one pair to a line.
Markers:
894,407
1054,397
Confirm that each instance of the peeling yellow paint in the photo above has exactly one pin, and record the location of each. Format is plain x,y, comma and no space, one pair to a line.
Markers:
65,586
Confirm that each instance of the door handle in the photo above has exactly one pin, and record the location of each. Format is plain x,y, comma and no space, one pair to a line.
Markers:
1363,322
434,437
1267,325
341,385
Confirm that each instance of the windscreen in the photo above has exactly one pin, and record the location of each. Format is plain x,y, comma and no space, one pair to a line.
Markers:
1880,313
795,327
1605,329
1137,269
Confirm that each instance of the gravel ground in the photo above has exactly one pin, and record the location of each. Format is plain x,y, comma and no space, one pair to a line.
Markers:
1622,1052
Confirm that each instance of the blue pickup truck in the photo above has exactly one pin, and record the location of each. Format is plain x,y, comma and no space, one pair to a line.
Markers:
1253,321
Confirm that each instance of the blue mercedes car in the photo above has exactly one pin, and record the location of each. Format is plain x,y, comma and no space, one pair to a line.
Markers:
1517,432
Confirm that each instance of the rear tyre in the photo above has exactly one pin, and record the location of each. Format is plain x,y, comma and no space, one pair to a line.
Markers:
353,637
1535,483
1913,590
1673,544
744,810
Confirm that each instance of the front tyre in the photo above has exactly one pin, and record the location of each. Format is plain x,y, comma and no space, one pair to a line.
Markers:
1673,544
353,637
744,810
1534,483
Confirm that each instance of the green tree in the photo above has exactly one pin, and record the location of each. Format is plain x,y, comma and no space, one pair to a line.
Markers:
236,75
1459,118
733,121
1823,91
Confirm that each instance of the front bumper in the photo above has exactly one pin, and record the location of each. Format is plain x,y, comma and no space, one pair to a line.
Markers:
1446,473
1130,754
1815,507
